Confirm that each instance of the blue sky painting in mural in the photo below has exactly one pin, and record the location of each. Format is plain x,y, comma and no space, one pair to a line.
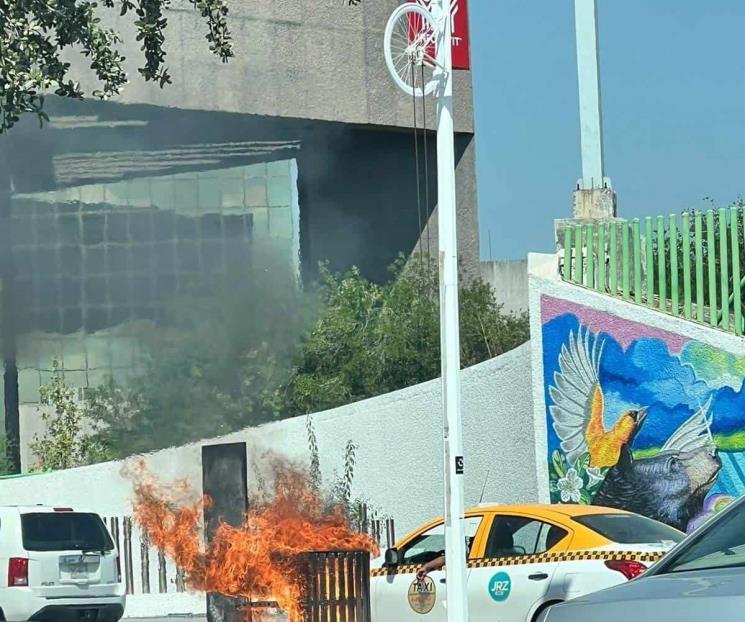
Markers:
646,375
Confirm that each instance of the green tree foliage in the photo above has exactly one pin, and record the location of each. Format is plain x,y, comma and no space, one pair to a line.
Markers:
6,464
70,438
338,494
372,339
35,34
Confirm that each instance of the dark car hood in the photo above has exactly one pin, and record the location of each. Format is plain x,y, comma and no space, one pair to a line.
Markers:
683,597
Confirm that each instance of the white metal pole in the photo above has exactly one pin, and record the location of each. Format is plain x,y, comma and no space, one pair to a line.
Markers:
588,74
455,541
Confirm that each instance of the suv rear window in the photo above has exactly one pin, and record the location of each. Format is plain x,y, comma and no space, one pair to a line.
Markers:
64,531
629,528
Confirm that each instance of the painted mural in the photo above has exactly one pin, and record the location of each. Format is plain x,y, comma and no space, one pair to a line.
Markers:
639,418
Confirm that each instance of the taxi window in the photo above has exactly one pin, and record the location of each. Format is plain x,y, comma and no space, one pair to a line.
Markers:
431,544
550,536
629,528
512,536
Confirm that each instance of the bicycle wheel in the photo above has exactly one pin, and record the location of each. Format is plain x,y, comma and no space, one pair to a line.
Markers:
409,48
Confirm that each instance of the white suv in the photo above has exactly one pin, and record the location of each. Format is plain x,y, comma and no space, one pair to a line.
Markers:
57,565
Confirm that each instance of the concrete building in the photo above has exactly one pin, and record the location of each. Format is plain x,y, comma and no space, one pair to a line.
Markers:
298,150
509,280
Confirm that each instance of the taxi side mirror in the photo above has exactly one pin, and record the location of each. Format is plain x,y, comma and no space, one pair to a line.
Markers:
391,557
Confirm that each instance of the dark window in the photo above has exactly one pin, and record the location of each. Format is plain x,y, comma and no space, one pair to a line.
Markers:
629,528
512,536
116,255
552,535
69,229
72,320
117,227
431,544
93,227
64,531
71,259
165,225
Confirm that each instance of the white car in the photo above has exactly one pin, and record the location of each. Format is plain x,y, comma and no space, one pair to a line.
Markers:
57,564
521,560
702,578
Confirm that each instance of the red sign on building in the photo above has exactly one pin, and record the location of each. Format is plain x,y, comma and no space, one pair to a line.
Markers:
460,35
461,40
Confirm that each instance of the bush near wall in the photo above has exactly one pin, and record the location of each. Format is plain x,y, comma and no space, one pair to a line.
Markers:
373,339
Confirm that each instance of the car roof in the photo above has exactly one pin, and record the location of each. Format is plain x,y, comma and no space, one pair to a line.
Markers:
556,511
570,510
32,508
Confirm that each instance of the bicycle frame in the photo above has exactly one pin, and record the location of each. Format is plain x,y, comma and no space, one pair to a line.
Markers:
438,17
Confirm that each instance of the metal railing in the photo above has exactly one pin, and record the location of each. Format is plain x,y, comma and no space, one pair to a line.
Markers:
690,265
377,527
143,565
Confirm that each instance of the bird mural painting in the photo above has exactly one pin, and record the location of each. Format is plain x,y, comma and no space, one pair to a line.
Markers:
595,461
578,409
670,486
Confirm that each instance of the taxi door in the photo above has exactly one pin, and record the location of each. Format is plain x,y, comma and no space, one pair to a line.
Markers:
500,587
399,597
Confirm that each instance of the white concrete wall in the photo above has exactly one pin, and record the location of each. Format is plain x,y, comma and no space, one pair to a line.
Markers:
509,279
399,460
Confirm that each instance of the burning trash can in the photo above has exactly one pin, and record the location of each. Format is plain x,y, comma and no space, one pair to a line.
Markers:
335,585
292,555
336,589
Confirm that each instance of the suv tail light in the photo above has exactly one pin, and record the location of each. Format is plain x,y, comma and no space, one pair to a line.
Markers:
118,568
629,569
17,572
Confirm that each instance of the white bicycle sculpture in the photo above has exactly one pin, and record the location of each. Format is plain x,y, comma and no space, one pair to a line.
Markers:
410,45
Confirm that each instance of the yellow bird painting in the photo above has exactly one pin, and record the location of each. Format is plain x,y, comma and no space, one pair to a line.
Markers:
578,409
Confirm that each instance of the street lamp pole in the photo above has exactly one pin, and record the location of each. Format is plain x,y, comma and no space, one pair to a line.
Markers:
455,541
409,34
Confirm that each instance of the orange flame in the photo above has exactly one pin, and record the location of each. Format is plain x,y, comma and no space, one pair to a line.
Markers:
258,560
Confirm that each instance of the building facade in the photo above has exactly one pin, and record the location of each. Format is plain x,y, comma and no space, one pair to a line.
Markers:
300,150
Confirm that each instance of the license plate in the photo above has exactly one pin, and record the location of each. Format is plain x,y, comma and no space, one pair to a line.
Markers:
88,558
78,566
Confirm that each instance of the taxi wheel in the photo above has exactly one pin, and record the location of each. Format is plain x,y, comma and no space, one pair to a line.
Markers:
543,608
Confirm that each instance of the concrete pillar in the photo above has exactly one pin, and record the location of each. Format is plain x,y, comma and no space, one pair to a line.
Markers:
594,204
594,198
590,111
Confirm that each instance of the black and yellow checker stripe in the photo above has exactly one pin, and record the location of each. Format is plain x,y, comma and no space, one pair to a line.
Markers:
521,560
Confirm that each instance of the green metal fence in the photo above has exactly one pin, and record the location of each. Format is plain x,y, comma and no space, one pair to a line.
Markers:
689,265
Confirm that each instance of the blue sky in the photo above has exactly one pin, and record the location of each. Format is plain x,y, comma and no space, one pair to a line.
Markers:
673,79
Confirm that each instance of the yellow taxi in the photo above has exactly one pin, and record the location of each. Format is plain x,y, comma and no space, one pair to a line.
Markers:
521,559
